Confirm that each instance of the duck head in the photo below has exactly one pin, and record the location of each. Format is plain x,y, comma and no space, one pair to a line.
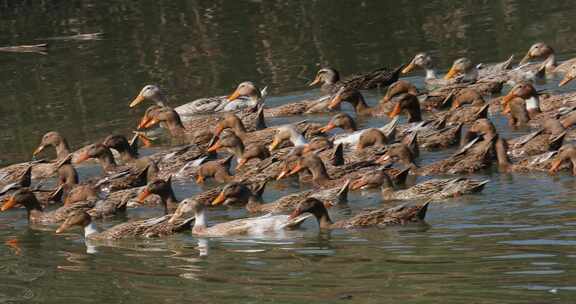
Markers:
56,140
462,67
316,208
565,153
80,218
284,133
246,88
340,120
233,194
325,76
398,88
421,60
230,121
408,103
525,91
23,197
538,50
149,92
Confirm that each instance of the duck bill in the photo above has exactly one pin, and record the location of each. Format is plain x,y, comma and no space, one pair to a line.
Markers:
451,74
275,143
219,200
83,157
315,81
327,127
218,130
214,147
143,195
10,203
282,174
566,80
177,215
38,150
555,166
409,68
65,226
200,179
143,122
137,100
335,102
396,111
234,95
295,170
506,102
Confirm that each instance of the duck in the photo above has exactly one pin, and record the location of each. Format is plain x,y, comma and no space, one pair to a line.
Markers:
238,193
163,189
35,212
566,154
116,177
433,189
128,152
383,217
208,105
235,145
56,140
330,81
467,106
356,99
548,138
320,176
218,169
542,51
69,189
260,225
424,61
367,137
153,227
543,162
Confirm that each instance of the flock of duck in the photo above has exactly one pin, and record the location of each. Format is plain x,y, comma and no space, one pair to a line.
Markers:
226,142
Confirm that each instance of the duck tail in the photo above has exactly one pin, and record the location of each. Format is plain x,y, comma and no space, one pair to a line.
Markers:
260,121
479,186
421,215
400,178
337,158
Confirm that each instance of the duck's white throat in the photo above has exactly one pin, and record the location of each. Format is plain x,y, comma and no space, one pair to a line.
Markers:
90,229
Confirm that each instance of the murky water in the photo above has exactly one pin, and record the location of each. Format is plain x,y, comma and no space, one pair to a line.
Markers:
514,243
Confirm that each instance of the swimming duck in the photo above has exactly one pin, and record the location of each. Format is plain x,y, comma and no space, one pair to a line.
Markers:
367,137
384,217
548,138
53,139
25,197
162,188
247,226
434,189
154,227
239,193
424,61
320,176
234,144
331,82
204,105
218,169
357,101
541,50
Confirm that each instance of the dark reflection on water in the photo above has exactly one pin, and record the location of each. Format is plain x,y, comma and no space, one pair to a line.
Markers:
513,243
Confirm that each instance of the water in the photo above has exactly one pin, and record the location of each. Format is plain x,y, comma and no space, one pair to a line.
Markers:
513,243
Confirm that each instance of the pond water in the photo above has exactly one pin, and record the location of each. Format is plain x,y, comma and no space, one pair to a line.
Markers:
514,243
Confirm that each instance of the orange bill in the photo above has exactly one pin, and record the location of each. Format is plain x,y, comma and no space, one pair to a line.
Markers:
396,111
146,141
221,198
137,100
143,195
451,74
11,202
555,166
295,170
327,127
409,68
275,143
65,226
234,95
335,101
38,150
315,81
200,179
219,128
214,147
83,157
241,163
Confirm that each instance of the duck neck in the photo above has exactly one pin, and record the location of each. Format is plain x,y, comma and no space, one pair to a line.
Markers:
62,149
298,139
501,153
430,73
320,175
254,203
551,62
199,222
169,201
237,150
107,162
323,218
414,113
34,210
361,106
90,229
533,105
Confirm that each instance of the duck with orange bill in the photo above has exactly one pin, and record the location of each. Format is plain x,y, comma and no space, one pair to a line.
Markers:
380,218
232,143
541,51
163,189
359,139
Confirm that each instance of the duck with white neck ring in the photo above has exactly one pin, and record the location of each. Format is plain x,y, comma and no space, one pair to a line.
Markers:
254,226
542,51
